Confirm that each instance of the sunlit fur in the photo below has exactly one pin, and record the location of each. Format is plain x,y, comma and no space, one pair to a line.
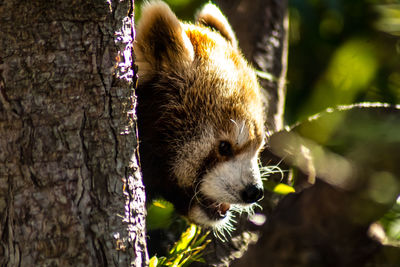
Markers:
196,90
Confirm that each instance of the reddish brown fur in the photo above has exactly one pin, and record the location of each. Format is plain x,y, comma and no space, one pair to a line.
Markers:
196,88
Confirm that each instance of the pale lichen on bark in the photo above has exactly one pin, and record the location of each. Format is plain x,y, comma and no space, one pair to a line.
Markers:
133,187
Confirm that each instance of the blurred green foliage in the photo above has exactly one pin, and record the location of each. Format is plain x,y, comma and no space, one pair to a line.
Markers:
159,214
342,52
391,222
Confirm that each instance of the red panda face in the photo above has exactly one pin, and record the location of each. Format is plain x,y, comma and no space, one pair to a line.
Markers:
229,177
200,116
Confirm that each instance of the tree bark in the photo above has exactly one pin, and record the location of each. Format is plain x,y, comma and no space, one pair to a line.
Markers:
70,190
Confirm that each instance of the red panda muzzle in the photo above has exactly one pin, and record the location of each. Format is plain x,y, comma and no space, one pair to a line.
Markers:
214,210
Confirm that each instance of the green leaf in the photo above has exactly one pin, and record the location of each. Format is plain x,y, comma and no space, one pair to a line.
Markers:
186,237
153,261
159,214
278,188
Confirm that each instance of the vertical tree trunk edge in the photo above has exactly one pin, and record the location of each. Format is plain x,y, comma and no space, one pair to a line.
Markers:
71,192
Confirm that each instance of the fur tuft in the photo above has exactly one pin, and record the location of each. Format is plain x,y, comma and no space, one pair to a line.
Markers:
160,39
211,16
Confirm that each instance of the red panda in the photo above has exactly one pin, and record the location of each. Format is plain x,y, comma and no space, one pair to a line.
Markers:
200,115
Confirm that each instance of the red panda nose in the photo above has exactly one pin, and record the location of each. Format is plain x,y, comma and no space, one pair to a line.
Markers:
252,193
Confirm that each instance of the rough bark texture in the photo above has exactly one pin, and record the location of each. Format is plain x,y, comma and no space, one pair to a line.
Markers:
70,192
261,28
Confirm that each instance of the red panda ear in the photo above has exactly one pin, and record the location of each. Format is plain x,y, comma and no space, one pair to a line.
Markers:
212,17
160,39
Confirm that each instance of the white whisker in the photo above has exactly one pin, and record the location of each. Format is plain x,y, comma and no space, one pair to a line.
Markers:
266,171
196,192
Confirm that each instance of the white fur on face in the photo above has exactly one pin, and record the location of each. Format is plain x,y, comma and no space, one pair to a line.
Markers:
226,181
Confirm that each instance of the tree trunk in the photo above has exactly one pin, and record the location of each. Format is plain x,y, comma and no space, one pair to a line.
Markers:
70,190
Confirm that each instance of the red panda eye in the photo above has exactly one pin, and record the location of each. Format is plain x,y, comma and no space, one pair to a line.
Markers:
225,149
